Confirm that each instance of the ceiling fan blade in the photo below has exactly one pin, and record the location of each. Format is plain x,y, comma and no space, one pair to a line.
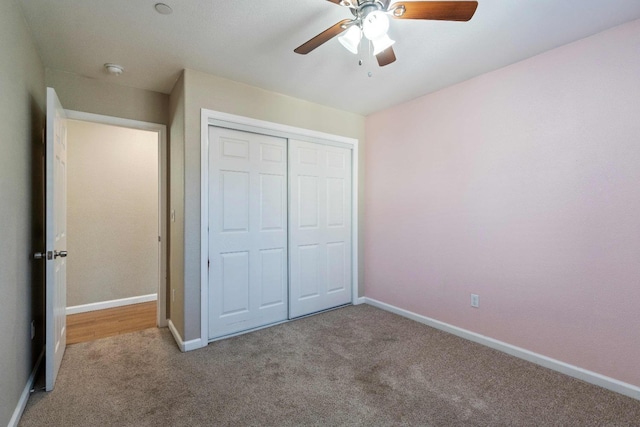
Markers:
323,37
386,57
436,10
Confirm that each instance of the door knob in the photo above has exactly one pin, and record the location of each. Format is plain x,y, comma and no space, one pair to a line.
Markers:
62,254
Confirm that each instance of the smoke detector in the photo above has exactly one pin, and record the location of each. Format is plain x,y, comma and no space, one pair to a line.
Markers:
113,69
163,9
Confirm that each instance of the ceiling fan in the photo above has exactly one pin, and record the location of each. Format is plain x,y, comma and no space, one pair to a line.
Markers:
371,19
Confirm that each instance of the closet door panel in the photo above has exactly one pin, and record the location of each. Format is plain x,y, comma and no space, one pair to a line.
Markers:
234,283
319,227
247,231
336,267
235,201
308,202
273,286
308,271
272,203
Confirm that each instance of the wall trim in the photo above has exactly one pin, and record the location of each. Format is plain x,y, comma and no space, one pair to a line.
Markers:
232,121
110,304
591,377
360,300
185,346
24,397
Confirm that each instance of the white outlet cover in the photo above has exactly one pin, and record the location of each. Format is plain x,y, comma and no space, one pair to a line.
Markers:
475,300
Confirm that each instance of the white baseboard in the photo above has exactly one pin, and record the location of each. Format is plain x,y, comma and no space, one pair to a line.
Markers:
184,345
24,397
360,300
539,359
110,304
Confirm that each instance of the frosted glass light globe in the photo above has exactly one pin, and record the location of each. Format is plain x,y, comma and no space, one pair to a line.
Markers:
375,25
351,39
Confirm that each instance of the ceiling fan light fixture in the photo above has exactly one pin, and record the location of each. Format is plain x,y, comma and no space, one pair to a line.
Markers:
351,39
375,26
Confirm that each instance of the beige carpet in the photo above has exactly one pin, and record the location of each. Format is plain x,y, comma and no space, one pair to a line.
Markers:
352,366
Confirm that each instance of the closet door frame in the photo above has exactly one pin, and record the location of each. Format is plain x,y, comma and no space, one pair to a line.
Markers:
231,121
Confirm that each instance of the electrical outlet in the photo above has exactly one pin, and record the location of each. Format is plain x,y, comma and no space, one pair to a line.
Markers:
33,329
475,301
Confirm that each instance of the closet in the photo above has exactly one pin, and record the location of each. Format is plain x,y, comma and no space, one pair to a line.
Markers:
279,228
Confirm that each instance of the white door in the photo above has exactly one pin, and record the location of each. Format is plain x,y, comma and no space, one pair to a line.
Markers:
320,227
247,231
56,237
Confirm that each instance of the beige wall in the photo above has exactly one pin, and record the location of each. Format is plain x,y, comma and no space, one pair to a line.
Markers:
206,91
110,99
112,214
22,104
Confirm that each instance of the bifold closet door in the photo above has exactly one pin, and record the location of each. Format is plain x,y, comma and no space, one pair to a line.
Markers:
319,227
247,231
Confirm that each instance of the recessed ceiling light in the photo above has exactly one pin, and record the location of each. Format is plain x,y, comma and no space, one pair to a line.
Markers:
113,69
163,9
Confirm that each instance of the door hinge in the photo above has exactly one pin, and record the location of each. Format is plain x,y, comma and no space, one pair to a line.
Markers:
159,239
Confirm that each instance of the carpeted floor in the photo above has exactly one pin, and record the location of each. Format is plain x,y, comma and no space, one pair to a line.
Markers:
352,366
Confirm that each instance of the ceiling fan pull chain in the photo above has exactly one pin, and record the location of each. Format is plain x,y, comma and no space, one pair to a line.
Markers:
370,61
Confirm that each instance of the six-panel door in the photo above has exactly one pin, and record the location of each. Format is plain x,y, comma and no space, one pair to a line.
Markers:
319,227
247,231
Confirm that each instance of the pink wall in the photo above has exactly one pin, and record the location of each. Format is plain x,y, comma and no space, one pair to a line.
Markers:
523,186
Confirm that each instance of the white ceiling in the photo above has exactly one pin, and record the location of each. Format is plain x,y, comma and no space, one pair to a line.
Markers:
252,41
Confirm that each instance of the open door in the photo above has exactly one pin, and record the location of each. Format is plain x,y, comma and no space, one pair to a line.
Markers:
56,237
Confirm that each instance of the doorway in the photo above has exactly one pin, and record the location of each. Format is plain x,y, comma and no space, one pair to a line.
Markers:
116,221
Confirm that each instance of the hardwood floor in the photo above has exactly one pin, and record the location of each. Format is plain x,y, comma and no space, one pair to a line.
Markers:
92,325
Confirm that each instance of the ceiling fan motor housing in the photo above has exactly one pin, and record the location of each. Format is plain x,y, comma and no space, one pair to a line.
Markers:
366,7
